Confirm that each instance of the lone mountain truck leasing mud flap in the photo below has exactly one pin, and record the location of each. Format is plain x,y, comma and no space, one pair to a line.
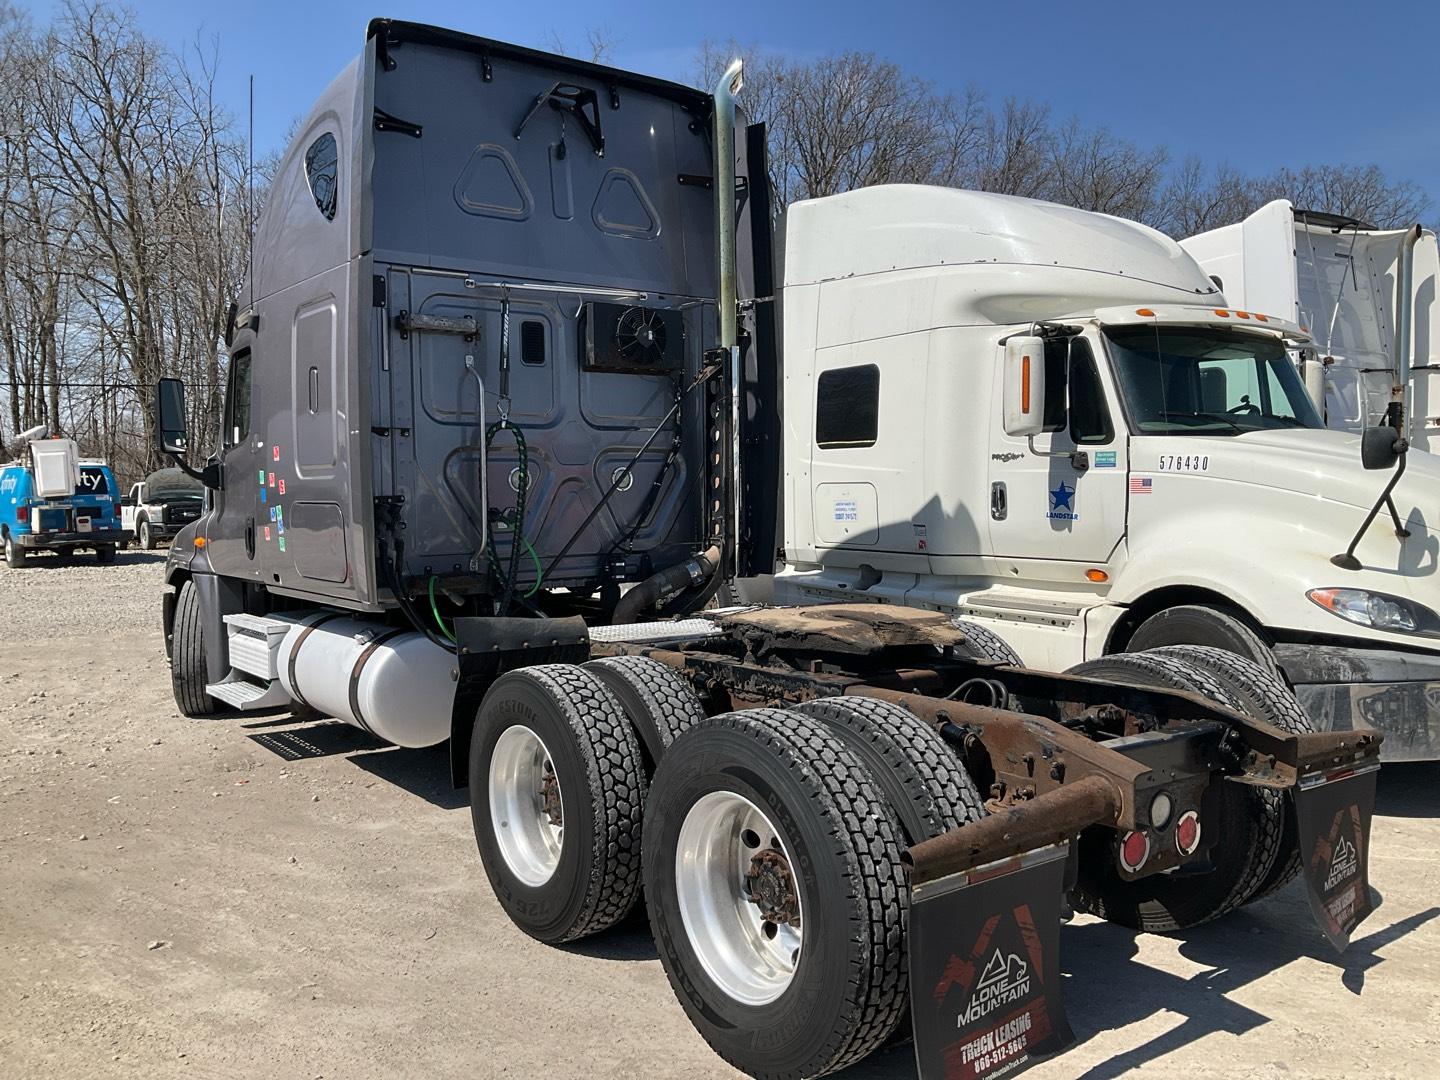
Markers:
985,992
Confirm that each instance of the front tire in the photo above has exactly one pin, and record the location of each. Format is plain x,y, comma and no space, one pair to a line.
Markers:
188,673
1196,624
557,791
775,893
145,537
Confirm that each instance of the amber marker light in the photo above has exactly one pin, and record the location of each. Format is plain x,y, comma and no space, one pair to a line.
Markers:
1145,312
1097,576
199,541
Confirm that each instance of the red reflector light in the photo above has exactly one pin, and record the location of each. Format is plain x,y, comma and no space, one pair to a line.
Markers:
1134,850
1187,832
22,513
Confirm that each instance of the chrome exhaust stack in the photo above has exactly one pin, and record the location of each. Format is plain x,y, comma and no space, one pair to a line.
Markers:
1404,323
726,284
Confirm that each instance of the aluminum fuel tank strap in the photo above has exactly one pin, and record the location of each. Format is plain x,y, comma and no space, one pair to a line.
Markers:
295,652
360,662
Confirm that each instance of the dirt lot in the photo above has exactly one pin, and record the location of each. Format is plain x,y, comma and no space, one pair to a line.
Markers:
266,899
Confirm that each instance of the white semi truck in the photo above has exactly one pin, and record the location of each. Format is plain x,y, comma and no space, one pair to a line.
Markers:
1366,296
493,368
1178,487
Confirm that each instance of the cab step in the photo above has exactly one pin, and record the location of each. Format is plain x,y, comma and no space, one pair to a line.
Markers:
239,692
255,643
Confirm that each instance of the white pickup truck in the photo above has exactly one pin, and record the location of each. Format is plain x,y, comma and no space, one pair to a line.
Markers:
160,506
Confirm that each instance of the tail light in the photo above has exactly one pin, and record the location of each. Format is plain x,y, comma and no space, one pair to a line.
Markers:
22,513
1134,850
1187,833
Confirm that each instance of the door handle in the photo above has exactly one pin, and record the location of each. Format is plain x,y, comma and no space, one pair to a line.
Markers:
999,506
250,538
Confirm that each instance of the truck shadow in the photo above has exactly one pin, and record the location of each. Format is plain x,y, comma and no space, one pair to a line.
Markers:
49,560
1408,789
1096,957
424,773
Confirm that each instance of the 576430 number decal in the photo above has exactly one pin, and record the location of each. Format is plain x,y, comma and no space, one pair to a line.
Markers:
1184,462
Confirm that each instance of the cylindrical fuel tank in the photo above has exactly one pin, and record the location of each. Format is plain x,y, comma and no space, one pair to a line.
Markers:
396,684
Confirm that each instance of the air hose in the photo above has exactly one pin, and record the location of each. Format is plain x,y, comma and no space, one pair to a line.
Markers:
506,577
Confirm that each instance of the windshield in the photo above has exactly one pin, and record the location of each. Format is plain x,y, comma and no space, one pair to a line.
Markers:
1202,381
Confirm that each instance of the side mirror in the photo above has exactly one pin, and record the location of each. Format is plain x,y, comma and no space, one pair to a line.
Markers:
170,433
1381,447
1024,377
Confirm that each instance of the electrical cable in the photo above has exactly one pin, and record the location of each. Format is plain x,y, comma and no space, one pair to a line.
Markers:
435,610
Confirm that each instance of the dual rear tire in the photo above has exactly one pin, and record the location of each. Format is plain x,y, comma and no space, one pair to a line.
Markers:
771,841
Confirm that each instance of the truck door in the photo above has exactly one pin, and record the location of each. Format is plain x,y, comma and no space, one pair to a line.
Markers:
1046,506
232,532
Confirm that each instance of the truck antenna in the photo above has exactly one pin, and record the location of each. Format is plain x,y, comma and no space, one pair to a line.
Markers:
250,192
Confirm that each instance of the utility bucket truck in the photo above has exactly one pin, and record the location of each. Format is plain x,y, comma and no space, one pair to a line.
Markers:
1153,474
509,351
1367,296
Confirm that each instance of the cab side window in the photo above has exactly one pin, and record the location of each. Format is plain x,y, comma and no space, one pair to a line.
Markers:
322,172
1089,417
237,400
847,407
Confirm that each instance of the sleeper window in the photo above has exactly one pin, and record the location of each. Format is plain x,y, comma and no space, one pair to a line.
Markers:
321,170
237,400
847,407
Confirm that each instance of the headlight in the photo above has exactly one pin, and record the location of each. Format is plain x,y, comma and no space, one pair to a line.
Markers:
1376,610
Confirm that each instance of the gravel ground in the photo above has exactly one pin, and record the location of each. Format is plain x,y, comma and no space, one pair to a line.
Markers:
262,898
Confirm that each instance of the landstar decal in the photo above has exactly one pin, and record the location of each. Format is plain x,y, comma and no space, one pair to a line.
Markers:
1062,503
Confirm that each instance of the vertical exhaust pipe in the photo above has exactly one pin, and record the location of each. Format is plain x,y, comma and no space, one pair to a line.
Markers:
1404,323
726,284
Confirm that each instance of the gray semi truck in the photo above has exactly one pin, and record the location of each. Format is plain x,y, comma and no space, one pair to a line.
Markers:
503,412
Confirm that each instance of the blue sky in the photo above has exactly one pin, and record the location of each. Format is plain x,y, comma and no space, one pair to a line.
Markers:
1259,85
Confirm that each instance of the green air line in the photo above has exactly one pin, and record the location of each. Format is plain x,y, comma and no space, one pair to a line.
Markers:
539,574
435,610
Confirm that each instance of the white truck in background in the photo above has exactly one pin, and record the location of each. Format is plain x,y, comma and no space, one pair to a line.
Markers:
1367,296
1176,484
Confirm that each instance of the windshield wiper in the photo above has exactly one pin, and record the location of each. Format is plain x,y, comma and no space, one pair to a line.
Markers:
1205,416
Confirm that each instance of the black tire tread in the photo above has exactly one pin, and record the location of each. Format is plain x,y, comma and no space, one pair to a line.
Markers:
188,674
669,703
1264,696
1265,826
1259,651
985,644
843,793
616,780
926,785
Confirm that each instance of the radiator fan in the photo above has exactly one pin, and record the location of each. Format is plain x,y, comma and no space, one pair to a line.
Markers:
640,338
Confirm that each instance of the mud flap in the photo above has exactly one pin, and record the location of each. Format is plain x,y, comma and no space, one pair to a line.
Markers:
985,994
1333,817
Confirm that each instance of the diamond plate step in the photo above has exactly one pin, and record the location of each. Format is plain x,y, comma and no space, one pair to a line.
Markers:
636,633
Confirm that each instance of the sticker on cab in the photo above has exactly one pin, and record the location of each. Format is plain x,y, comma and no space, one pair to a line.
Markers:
1105,459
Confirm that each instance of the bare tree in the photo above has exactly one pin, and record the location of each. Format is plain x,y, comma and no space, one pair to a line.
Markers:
1092,169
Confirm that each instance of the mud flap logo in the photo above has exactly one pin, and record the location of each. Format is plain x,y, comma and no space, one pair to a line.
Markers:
1005,979
984,968
1334,825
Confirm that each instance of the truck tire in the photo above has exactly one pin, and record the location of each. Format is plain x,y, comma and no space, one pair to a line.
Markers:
985,644
781,930
1195,624
557,791
188,674
915,769
1264,695
143,535
659,702
105,553
1246,842
14,554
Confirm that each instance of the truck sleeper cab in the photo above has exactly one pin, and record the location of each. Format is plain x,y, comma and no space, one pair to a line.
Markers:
86,518
1181,488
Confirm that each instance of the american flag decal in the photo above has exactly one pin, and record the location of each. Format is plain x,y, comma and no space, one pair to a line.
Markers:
1140,486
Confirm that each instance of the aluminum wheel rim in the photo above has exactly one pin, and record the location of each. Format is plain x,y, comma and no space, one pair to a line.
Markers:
751,959
528,839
